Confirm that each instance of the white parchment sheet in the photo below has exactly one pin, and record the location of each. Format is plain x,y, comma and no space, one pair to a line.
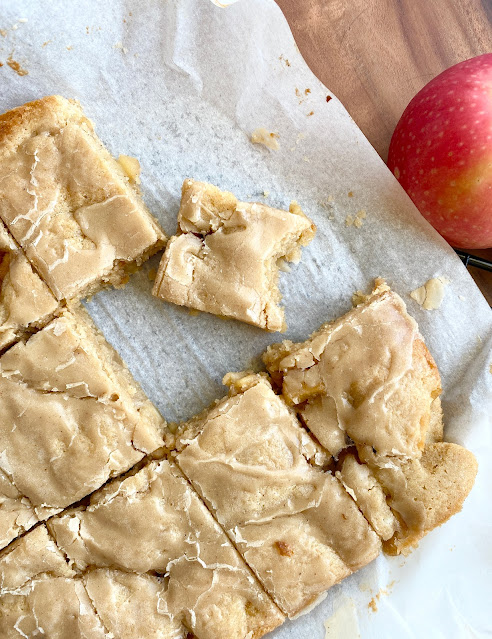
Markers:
181,84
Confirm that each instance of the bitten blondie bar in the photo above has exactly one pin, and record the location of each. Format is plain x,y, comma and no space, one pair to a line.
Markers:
156,564
367,387
261,475
225,257
26,303
72,417
67,202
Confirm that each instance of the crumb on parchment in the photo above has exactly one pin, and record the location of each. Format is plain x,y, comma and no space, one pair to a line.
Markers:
15,66
383,591
119,45
430,294
131,167
295,208
327,204
356,220
268,139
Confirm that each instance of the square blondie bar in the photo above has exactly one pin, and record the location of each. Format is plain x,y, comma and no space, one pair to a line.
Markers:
262,477
41,596
72,417
67,202
26,303
156,564
225,257
367,387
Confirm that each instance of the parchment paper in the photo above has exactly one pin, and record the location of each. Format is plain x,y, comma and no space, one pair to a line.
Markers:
181,84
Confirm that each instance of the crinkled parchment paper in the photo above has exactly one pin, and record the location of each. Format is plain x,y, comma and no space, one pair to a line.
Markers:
181,84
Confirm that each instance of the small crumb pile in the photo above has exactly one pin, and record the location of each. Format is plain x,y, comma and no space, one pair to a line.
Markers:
262,136
357,220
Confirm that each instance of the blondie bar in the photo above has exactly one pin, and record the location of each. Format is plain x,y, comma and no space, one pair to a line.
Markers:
225,257
67,202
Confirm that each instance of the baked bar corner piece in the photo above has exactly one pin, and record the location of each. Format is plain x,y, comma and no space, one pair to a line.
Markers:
366,378
263,477
41,595
67,202
72,417
226,254
156,564
26,303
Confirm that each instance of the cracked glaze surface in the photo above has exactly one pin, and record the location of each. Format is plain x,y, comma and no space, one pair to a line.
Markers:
256,469
66,201
368,376
71,419
40,595
25,300
368,388
224,258
155,563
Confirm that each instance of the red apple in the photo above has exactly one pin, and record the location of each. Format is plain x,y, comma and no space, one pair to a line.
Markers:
441,152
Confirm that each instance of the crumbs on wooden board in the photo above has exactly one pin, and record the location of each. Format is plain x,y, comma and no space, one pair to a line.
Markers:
267,138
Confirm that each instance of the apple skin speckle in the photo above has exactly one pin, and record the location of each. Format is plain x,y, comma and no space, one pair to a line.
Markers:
447,167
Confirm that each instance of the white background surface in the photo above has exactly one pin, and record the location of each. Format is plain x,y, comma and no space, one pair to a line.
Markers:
181,85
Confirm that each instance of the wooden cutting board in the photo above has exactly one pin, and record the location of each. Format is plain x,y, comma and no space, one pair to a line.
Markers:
375,55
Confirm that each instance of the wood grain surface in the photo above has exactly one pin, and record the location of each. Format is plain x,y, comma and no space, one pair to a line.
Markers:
375,55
